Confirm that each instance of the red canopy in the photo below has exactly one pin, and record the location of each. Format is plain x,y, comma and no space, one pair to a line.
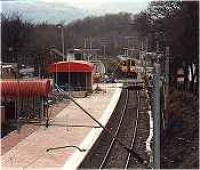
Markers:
71,66
25,88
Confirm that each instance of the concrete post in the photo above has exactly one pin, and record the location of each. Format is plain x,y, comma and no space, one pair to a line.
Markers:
63,43
42,108
17,109
156,117
39,72
166,88
167,69
56,74
104,51
18,115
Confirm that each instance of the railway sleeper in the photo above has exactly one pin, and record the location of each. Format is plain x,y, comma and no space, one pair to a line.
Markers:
131,107
134,87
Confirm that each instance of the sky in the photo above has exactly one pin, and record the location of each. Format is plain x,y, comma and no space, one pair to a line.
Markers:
89,3
83,3
69,10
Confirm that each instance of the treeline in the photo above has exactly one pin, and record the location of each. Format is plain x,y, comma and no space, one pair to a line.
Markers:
174,24
26,43
109,30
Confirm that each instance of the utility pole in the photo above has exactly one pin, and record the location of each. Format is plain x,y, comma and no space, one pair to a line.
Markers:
156,116
85,43
142,45
166,87
39,72
167,66
128,48
63,43
90,43
143,56
146,44
104,51
56,74
85,47
60,26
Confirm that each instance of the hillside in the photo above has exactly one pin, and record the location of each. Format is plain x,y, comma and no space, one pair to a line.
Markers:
111,30
179,144
95,32
66,11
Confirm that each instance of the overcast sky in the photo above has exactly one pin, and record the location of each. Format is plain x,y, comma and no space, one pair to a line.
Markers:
85,3
71,9
93,3
89,4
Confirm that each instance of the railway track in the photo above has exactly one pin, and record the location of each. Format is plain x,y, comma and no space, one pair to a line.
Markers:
107,152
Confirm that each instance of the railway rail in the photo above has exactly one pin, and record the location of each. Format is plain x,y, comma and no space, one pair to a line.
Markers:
107,152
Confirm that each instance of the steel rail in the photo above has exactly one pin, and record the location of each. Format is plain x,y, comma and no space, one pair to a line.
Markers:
135,130
99,123
117,139
116,132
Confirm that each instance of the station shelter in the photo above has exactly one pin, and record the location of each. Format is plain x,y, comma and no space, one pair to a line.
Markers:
76,75
23,101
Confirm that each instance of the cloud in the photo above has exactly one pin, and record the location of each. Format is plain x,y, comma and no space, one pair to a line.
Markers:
55,10
93,4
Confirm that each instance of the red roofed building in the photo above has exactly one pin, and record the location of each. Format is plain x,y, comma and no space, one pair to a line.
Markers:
73,75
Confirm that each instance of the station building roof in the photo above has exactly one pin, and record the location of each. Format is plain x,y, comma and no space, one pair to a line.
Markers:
71,66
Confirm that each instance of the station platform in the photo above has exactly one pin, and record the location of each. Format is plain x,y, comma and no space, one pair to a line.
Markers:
71,127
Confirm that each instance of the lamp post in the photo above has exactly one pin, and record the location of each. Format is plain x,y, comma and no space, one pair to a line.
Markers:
60,26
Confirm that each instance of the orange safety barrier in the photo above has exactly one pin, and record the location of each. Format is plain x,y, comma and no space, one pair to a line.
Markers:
25,88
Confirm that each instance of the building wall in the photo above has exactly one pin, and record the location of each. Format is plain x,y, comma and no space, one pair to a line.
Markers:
77,81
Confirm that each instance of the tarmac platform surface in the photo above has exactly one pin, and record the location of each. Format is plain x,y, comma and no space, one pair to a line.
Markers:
70,127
